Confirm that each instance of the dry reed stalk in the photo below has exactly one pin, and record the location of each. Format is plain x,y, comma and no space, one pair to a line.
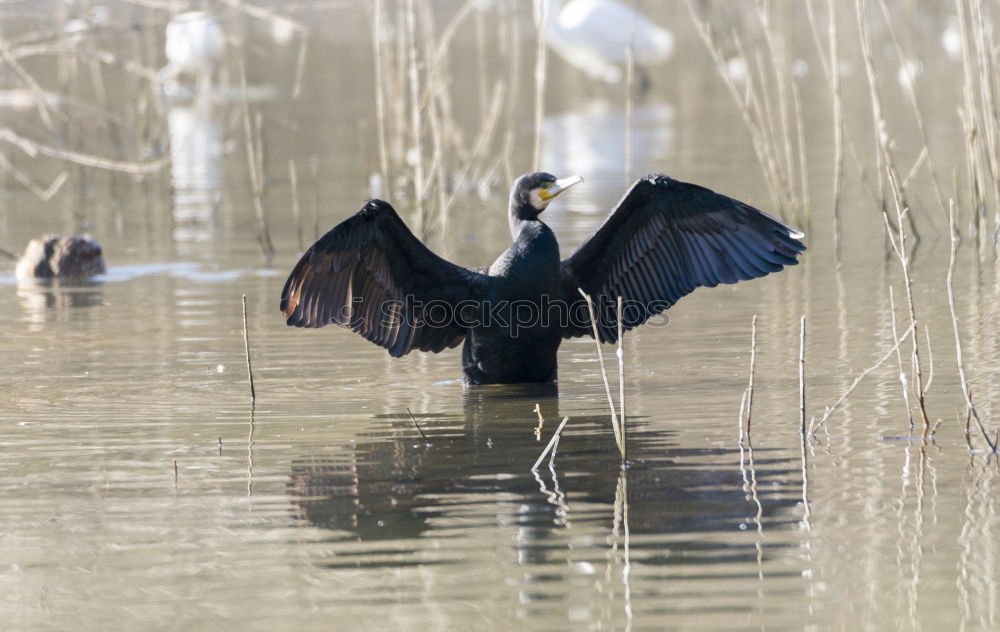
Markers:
444,41
914,103
246,349
899,246
977,122
802,375
551,445
804,458
35,148
540,67
903,380
604,374
478,153
300,65
513,74
437,77
314,173
27,79
777,58
481,72
959,358
416,152
886,162
770,141
753,366
805,212
630,101
261,13
621,377
838,108
255,165
629,110
985,47
541,422
44,194
260,187
814,425
293,183
436,170
380,119
414,419
930,359
398,96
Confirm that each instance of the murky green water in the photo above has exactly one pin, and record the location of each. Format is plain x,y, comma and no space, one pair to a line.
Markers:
139,489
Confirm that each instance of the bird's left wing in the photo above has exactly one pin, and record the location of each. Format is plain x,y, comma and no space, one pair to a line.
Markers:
373,276
664,239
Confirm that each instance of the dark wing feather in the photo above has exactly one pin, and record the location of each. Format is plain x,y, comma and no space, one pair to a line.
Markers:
372,275
664,239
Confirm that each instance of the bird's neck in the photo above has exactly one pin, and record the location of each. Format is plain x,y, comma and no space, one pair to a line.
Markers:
521,215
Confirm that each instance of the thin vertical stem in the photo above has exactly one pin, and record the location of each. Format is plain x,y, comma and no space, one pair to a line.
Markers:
802,375
383,151
246,348
753,365
416,152
256,166
604,374
966,391
293,183
621,377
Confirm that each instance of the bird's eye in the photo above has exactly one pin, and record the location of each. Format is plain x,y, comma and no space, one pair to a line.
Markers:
545,185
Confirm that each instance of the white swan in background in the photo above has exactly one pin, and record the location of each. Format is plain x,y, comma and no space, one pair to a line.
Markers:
594,36
194,42
194,47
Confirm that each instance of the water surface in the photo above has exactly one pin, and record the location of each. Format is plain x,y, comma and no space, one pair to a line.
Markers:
140,489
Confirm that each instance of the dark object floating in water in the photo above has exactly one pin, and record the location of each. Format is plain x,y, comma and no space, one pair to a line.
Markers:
664,239
52,256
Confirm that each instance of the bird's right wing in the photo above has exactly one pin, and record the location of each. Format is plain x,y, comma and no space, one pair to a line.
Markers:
373,276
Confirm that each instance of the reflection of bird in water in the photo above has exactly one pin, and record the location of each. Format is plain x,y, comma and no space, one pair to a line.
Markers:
395,486
194,48
52,256
664,239
595,36
590,139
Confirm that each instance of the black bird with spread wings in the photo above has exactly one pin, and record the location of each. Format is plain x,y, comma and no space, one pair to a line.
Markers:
664,239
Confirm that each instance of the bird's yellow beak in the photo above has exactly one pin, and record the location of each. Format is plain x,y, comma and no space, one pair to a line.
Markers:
558,187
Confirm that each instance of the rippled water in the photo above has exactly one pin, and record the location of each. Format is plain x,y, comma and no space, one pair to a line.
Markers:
140,489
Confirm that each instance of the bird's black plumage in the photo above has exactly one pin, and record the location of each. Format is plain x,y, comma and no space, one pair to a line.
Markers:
664,239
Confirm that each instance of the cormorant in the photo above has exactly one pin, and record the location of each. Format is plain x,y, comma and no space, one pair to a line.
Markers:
664,239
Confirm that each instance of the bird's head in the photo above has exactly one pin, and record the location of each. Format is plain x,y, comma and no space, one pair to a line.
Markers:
532,192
